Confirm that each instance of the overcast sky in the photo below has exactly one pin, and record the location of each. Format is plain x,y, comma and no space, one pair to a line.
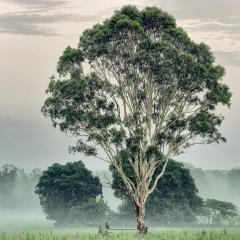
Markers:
33,34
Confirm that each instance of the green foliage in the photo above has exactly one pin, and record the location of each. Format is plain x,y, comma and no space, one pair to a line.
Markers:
17,188
174,200
70,62
220,211
93,212
226,209
138,47
69,193
139,88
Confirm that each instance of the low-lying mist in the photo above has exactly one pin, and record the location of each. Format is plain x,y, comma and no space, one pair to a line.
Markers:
20,206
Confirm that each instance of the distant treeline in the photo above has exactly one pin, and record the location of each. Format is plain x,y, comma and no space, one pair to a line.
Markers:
218,184
17,192
17,188
211,184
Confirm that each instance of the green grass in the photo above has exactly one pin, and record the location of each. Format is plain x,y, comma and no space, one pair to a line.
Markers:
42,229
166,235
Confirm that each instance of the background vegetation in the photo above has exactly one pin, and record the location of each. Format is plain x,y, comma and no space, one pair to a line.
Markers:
18,186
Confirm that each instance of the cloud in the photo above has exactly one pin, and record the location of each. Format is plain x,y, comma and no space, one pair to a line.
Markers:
36,23
220,16
36,17
195,9
25,24
39,3
229,58
227,28
43,17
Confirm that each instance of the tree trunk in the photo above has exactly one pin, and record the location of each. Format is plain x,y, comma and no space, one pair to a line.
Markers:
140,214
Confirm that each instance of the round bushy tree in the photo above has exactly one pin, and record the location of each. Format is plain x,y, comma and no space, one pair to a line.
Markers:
174,200
66,189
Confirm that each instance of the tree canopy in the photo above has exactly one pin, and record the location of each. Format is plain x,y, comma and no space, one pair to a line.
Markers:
139,88
175,199
67,191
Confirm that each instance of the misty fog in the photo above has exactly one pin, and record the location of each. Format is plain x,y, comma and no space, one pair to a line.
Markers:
20,204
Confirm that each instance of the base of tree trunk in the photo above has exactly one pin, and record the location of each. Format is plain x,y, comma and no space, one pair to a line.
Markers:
140,213
142,229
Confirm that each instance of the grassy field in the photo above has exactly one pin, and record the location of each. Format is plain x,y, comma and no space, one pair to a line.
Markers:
41,229
169,235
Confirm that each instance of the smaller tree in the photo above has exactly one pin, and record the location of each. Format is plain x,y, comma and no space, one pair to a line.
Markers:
220,212
67,191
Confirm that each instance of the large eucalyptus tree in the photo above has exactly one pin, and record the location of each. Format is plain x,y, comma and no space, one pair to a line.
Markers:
139,88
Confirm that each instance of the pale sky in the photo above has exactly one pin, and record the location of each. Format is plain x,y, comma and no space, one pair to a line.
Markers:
33,34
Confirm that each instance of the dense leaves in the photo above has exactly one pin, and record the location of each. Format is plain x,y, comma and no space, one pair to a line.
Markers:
138,56
139,88
66,191
175,199
219,212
